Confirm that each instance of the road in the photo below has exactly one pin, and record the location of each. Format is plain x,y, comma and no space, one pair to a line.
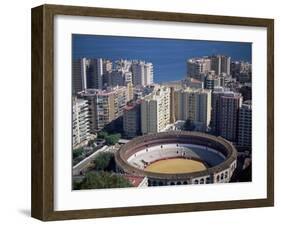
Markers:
79,167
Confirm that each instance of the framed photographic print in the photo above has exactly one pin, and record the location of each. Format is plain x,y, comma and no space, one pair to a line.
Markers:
141,112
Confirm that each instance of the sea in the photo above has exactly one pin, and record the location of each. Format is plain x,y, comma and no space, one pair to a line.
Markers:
168,56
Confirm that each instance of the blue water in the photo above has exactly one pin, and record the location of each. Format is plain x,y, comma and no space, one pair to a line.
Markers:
167,55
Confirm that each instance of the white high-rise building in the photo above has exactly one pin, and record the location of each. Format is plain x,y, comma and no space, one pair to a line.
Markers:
84,68
142,73
148,73
155,111
198,67
119,74
105,105
80,124
220,64
193,105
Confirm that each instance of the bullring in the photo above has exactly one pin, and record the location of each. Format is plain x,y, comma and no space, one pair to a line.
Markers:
213,159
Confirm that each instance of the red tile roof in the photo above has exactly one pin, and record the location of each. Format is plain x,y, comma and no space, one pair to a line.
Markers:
135,180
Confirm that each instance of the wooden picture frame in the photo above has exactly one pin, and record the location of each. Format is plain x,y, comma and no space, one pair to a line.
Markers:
43,108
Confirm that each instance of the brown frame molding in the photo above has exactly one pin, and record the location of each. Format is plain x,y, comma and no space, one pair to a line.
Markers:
42,202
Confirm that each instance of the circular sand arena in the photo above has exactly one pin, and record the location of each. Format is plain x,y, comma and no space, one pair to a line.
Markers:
175,165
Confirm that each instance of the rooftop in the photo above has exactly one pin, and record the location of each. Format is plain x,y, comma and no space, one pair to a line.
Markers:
135,180
105,92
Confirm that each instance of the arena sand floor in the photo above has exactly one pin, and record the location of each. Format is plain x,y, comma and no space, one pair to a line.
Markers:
175,165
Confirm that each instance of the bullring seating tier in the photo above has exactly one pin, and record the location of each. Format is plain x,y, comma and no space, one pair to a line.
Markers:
149,155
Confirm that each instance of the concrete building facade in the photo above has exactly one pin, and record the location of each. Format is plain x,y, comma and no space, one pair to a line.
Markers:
194,83
80,122
79,75
220,64
195,105
95,74
142,73
225,110
132,120
198,67
105,105
211,81
155,111
245,125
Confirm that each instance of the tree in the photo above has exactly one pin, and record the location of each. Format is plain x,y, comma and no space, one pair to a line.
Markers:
77,152
188,125
102,161
103,180
102,134
76,185
112,139
91,142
